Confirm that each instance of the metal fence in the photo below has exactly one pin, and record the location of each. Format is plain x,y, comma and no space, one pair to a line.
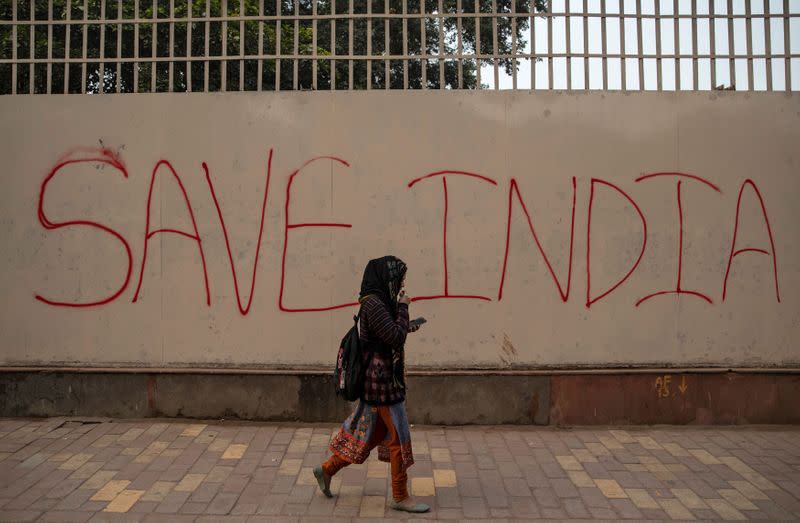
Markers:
123,46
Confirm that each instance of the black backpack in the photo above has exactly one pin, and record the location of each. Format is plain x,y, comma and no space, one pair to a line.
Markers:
348,375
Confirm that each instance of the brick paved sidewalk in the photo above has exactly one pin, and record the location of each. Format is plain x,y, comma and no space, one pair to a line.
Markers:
155,470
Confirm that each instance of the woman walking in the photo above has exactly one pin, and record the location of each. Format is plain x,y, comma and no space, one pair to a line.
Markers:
379,419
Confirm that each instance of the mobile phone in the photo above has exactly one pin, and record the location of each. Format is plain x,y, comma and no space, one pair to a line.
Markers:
416,322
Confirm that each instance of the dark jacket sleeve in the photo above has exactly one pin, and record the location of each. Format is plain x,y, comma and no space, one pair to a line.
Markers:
390,331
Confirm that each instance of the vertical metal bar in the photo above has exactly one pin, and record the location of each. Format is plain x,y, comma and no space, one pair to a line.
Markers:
424,45
478,46
622,50
460,44
712,31
387,70
695,81
659,61
550,49
731,64
586,44
494,45
569,44
768,44
207,62
136,46
189,62
749,33
405,42
441,44
369,42
242,37
350,62
31,48
85,43
14,63
786,48
278,44
677,45
154,46
49,44
333,44
224,66
603,45
313,44
639,47
513,45
533,46
170,72
102,71
296,46
67,36
119,46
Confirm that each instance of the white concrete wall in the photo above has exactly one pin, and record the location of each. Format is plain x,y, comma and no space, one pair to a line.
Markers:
540,140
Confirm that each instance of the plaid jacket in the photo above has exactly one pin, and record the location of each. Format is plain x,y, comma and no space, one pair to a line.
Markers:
382,333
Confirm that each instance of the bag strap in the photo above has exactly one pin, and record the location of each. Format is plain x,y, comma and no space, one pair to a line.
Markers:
356,318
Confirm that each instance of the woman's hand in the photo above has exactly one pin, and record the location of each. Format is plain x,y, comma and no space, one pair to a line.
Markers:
404,298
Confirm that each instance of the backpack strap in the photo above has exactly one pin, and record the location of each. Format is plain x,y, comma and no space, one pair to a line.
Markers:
371,352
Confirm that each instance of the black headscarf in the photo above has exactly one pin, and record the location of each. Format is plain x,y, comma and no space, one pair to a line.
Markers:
382,278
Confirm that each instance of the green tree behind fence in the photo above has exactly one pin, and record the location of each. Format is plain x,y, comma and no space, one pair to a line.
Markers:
246,41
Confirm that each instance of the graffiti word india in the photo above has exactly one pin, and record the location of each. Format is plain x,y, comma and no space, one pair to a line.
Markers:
163,167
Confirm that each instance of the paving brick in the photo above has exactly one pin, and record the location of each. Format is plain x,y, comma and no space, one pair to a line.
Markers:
144,507
470,487
725,510
235,484
372,486
517,487
110,490
189,483
447,497
124,501
172,502
222,503
553,470
43,504
63,488
301,494
564,488
474,507
372,507
546,497
422,487
610,488
535,476
19,515
194,507
603,513
576,509
593,497
320,506
689,498
444,478
675,509
737,499
597,470
625,508
465,470
493,489
60,516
